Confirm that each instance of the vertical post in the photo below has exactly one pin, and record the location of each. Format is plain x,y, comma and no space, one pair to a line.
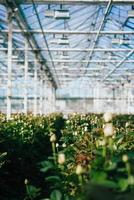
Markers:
44,97
9,81
41,96
51,99
48,98
26,78
113,100
54,99
35,86
97,106
128,99
123,99
94,99
118,100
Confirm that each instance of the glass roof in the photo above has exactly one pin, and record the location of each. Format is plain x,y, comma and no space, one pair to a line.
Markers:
93,45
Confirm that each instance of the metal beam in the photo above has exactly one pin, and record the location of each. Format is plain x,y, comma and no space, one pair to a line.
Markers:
71,49
26,79
71,1
67,32
9,73
118,65
44,36
35,88
75,61
90,61
22,22
79,75
41,97
98,33
61,70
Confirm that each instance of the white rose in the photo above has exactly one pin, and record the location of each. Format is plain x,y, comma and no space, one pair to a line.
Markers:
61,158
64,145
57,145
127,124
108,130
85,129
107,117
26,181
79,169
75,133
53,138
125,158
101,142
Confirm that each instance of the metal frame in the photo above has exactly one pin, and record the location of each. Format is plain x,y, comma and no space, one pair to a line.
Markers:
69,32
71,49
47,64
71,1
9,81
22,21
35,88
26,79
118,65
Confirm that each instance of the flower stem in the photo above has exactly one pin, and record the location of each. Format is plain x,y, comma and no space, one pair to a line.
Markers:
54,152
80,179
128,169
111,145
80,182
28,192
104,151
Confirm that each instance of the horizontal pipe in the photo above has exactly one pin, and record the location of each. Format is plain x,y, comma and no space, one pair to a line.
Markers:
71,98
90,61
71,1
46,31
70,49
75,61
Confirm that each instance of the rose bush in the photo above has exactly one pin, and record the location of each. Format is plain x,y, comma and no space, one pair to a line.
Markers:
81,157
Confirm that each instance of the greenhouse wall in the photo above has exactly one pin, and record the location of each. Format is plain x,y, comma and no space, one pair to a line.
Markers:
95,106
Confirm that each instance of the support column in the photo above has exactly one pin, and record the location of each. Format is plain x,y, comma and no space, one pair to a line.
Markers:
53,99
123,99
129,96
26,79
114,107
44,97
49,98
41,97
118,101
35,87
96,96
9,81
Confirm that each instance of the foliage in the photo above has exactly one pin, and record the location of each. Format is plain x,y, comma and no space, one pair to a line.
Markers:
52,158
25,139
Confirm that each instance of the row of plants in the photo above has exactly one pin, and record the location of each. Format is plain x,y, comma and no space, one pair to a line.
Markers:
24,143
80,157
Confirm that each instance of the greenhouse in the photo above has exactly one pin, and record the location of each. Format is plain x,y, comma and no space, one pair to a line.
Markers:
66,99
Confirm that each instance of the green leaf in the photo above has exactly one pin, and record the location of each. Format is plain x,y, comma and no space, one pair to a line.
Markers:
99,176
111,166
46,165
32,191
53,178
123,184
56,195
